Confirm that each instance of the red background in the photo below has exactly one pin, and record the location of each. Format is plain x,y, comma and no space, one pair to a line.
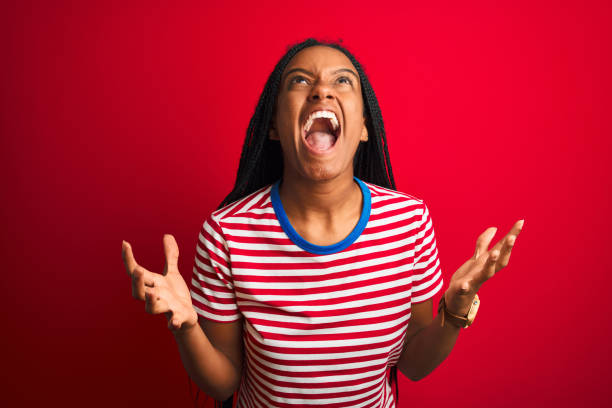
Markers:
126,121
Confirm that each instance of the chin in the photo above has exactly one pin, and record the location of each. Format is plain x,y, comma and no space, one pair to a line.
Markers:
321,173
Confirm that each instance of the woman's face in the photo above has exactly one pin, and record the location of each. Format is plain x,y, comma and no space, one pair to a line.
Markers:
319,118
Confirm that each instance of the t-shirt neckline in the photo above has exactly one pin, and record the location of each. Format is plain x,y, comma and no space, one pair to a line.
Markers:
322,249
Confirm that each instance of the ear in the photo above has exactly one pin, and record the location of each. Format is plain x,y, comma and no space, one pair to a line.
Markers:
272,133
364,131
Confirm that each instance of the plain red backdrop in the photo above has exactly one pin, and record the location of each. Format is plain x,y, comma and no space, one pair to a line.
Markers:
126,122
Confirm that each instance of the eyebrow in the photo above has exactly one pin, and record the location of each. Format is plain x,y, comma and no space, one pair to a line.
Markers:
291,71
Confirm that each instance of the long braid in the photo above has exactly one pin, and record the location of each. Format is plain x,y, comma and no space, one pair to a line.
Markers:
379,171
261,158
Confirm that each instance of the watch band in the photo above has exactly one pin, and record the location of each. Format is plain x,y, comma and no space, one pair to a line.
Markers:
456,320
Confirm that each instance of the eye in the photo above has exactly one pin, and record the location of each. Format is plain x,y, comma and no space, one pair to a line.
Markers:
345,80
298,79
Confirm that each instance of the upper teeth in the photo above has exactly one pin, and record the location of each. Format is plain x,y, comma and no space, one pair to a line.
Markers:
321,114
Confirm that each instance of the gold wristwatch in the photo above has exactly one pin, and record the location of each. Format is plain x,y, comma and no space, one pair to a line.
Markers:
459,321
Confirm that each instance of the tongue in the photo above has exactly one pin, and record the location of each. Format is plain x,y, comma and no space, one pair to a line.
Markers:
320,140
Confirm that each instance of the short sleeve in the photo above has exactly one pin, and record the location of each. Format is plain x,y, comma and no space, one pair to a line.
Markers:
427,273
212,288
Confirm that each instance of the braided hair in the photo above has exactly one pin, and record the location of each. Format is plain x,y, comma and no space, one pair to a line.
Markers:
261,161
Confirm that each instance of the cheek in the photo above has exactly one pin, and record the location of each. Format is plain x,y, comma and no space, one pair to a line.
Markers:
355,110
286,115
353,103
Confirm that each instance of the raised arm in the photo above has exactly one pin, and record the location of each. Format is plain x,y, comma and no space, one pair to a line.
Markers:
428,341
211,352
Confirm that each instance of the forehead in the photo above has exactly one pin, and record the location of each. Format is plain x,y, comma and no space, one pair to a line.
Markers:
319,58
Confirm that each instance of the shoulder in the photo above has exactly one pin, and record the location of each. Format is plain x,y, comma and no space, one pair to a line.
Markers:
218,224
385,199
246,206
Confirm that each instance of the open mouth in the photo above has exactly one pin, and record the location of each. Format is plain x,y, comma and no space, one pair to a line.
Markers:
321,130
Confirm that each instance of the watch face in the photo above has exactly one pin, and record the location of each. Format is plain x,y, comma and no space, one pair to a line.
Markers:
473,309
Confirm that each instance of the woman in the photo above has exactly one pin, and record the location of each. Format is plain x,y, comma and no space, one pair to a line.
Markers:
315,279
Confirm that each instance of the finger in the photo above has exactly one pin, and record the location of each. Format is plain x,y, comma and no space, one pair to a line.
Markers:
174,321
142,278
479,271
155,303
172,253
515,230
506,250
128,258
138,286
150,299
488,269
150,278
483,241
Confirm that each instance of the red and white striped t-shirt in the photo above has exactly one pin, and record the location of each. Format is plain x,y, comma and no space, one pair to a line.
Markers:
322,324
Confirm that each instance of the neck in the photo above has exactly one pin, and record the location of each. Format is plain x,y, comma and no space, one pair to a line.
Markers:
309,200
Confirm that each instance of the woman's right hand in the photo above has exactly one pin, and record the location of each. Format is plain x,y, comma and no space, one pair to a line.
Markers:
163,293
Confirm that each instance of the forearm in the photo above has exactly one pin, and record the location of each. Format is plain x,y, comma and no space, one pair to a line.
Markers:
427,349
209,368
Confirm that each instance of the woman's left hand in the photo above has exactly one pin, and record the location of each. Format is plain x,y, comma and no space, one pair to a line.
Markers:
466,281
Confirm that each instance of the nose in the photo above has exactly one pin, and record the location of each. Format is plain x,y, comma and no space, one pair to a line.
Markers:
321,90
